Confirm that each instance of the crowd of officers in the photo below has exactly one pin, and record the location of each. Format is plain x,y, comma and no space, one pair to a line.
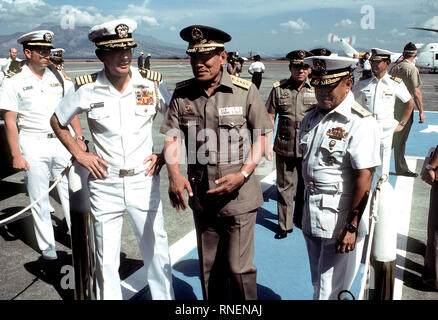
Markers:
327,148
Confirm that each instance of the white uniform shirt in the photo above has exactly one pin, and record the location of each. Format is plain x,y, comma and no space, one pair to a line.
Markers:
378,96
120,123
33,99
333,145
256,67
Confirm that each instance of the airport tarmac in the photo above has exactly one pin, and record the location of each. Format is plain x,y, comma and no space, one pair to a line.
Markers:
26,277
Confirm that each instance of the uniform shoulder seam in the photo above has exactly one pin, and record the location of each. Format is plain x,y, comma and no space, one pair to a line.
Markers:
280,83
396,79
183,84
87,78
243,83
151,75
361,111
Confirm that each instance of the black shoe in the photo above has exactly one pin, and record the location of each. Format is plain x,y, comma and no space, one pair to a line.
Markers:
407,174
282,234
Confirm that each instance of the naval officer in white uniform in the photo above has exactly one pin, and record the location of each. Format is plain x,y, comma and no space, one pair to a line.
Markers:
120,104
377,94
30,98
339,141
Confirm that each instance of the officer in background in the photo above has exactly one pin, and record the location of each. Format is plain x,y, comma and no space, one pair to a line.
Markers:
377,94
256,69
339,141
410,75
140,61
121,103
290,99
11,65
147,62
58,61
223,122
30,98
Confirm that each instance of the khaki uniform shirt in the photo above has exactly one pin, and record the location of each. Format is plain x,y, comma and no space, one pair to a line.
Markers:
291,106
410,76
334,145
218,133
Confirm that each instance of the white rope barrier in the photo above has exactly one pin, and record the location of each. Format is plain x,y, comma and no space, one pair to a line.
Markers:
373,217
58,179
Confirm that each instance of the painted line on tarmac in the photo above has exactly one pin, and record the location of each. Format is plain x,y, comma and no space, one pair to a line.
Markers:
137,281
404,188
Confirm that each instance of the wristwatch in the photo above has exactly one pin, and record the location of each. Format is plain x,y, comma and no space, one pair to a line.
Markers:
429,167
351,228
402,123
245,174
82,138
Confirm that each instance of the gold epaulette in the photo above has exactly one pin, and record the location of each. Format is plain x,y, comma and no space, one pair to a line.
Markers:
245,84
360,110
151,75
279,83
183,84
396,79
88,78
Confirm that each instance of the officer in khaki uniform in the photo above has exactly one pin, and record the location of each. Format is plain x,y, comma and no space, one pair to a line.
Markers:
223,122
290,99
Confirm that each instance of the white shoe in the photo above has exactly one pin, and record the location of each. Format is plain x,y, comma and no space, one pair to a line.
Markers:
49,254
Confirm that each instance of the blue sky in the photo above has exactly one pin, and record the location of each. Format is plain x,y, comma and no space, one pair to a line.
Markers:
263,26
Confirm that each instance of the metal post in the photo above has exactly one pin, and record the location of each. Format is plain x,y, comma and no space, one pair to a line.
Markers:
81,233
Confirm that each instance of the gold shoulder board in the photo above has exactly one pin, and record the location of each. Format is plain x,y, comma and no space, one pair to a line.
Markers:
396,79
245,84
360,110
88,78
182,84
279,83
151,75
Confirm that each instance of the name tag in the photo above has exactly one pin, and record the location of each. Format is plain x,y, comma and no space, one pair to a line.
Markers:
309,98
230,111
55,84
27,88
96,105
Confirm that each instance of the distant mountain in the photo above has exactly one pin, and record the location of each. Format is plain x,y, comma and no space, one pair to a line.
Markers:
76,44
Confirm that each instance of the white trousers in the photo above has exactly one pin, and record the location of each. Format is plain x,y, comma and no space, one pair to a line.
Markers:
385,156
139,196
332,272
46,158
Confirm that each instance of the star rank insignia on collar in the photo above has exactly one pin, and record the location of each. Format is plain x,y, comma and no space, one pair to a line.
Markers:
336,133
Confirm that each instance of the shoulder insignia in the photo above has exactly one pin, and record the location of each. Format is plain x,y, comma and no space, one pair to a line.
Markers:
88,78
245,84
279,83
360,110
151,75
183,84
396,79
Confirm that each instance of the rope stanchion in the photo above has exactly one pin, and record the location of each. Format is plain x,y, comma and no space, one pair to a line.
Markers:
57,180
373,217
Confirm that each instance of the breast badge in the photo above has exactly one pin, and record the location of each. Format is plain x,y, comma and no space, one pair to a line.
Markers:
144,97
188,110
337,133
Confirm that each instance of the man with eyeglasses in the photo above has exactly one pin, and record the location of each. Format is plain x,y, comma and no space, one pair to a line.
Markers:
121,103
29,98
290,99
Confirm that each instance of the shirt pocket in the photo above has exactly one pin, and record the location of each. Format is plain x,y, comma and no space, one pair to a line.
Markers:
333,151
283,104
231,122
329,208
144,111
98,114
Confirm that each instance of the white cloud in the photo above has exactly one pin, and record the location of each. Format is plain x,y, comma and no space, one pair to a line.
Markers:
295,26
345,23
396,33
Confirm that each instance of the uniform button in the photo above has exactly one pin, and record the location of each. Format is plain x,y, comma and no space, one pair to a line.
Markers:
192,179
